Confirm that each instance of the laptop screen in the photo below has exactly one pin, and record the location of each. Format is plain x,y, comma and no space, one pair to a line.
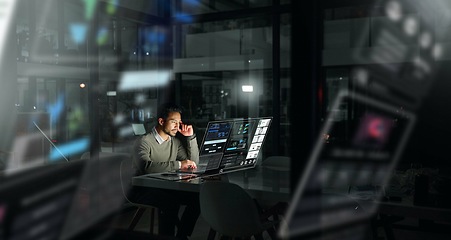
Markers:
234,144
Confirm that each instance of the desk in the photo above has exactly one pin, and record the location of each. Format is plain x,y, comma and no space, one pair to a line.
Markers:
266,185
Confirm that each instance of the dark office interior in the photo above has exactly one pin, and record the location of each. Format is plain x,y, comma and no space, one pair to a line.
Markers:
357,92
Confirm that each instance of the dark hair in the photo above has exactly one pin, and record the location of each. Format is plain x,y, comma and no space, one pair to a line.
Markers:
166,108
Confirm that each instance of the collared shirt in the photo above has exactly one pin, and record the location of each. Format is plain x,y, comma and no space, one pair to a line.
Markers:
159,139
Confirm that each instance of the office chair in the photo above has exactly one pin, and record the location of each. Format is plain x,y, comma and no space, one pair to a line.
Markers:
126,173
231,212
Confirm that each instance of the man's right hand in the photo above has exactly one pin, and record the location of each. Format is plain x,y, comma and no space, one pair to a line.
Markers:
188,165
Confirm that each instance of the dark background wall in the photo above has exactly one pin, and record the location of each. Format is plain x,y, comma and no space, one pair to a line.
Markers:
430,140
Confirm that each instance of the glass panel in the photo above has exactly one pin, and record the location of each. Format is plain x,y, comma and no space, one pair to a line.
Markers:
260,3
107,44
44,39
336,34
61,115
347,33
337,79
146,6
285,84
364,26
221,60
77,116
207,6
227,56
129,44
250,37
131,96
385,32
74,52
226,94
23,32
153,40
223,57
285,41
134,50
25,100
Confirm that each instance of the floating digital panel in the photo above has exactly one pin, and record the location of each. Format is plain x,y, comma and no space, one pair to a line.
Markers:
364,155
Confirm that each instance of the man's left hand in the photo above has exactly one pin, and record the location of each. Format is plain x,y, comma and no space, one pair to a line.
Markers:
186,130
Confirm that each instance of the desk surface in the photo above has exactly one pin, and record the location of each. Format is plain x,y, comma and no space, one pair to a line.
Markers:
265,184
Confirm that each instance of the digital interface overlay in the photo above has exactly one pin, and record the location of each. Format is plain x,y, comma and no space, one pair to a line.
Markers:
234,144
363,156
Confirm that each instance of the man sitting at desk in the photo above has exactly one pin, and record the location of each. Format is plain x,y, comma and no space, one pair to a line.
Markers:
162,151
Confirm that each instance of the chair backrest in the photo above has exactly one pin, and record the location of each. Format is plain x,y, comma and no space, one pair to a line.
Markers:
126,173
86,155
229,209
100,182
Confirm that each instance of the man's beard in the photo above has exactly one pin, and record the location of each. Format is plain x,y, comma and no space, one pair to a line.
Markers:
171,133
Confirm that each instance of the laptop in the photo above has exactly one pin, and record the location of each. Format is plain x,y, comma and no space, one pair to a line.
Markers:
227,145
206,162
361,158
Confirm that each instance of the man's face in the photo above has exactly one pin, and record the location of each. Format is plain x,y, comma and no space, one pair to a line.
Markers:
172,123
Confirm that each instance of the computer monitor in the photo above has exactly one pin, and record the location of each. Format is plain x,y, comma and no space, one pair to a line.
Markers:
233,144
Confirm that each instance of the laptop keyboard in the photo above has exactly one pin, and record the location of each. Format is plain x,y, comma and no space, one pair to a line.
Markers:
206,162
